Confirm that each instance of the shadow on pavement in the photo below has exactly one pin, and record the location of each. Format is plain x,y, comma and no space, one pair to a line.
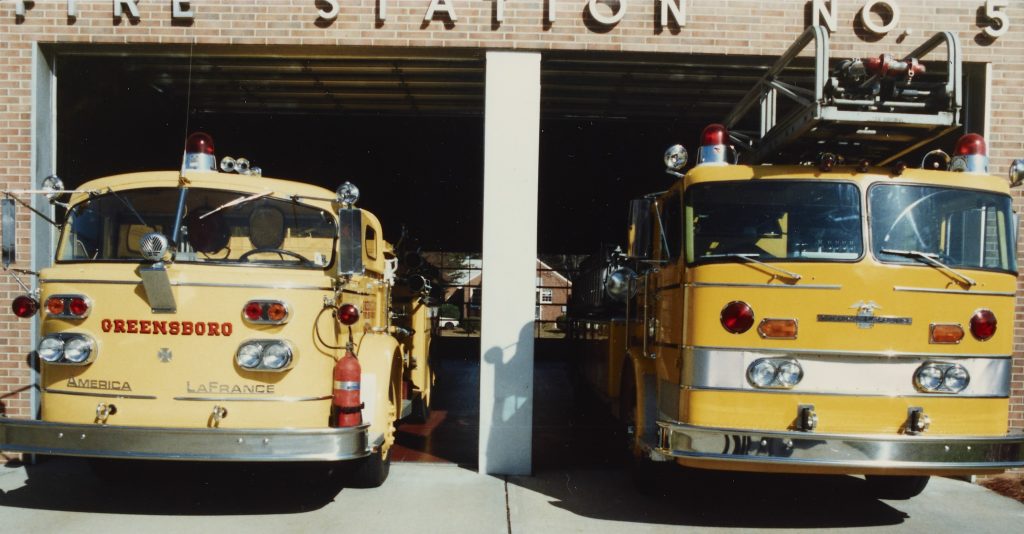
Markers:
173,488
685,497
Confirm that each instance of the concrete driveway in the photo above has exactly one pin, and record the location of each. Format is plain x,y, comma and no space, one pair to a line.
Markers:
64,495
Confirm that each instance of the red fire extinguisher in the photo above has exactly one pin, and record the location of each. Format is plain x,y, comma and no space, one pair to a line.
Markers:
346,390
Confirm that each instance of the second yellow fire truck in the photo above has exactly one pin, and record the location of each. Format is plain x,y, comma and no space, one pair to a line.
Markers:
817,317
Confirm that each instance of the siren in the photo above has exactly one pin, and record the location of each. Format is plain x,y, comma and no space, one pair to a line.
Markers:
970,155
199,153
713,146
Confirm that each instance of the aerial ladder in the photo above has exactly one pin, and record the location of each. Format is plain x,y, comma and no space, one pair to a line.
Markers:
878,109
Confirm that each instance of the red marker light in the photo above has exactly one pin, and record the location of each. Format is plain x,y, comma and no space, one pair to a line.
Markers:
253,311
983,324
714,134
24,306
971,144
199,143
737,317
348,314
78,306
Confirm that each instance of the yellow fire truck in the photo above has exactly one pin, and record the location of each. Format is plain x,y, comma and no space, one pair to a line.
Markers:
817,317
223,316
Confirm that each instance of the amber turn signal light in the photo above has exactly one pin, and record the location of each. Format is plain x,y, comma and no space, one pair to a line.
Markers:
777,328
946,333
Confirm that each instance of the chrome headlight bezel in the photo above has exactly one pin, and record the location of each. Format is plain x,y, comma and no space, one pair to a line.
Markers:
56,351
935,377
767,373
266,346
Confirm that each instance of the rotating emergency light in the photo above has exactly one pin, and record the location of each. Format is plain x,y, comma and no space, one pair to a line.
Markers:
970,155
199,154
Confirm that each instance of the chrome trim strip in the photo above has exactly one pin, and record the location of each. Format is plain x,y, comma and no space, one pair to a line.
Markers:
954,291
253,399
87,281
878,354
186,284
851,374
834,394
194,444
763,286
250,286
853,452
102,395
864,319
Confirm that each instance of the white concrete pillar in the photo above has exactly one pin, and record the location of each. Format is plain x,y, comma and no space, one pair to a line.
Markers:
509,270
43,163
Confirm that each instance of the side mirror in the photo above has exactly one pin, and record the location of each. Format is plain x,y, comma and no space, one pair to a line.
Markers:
640,228
350,242
1016,172
7,226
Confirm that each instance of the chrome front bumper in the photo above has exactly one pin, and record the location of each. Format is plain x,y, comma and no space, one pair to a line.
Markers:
852,453
196,444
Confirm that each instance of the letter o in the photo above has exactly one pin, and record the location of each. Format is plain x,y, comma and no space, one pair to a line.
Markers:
865,16
226,329
607,20
106,325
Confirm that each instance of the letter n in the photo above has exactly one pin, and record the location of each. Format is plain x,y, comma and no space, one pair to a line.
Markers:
678,10
825,15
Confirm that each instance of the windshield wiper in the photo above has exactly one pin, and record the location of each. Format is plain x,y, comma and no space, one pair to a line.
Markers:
129,206
931,259
750,257
235,202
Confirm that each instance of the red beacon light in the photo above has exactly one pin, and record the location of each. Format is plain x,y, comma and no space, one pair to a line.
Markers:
970,155
714,145
199,154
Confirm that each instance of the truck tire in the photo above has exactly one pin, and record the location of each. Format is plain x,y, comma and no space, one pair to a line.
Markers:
370,472
643,472
898,488
420,412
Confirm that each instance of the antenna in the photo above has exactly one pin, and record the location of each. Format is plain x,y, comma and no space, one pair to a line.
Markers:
188,90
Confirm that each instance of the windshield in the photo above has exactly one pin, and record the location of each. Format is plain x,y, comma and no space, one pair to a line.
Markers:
773,220
258,230
959,227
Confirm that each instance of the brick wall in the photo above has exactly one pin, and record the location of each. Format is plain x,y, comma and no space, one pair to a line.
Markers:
712,27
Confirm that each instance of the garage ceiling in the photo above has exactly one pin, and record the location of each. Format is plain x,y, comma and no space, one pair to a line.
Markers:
442,82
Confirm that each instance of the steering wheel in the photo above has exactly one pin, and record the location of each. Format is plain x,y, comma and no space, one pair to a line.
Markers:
278,251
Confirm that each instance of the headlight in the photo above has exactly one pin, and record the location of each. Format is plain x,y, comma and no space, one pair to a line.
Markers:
277,356
790,374
929,378
77,350
956,379
51,349
934,377
249,355
762,373
775,373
